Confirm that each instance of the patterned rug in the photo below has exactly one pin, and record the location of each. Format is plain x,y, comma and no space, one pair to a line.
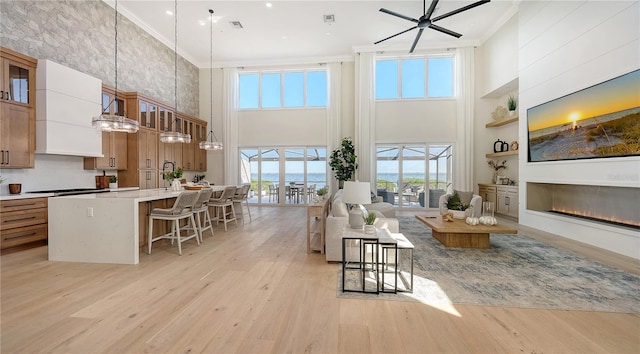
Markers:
517,271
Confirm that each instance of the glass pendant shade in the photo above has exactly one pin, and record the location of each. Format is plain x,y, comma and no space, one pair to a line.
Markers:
175,137
115,123
210,145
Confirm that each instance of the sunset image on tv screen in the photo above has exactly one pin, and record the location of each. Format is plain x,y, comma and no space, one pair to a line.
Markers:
599,121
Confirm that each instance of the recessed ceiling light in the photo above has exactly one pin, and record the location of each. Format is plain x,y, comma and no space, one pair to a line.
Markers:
169,12
201,23
268,4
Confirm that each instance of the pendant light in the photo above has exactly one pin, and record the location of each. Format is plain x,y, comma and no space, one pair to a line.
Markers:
177,136
113,122
213,144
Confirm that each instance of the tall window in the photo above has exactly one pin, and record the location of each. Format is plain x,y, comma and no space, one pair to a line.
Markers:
429,77
286,89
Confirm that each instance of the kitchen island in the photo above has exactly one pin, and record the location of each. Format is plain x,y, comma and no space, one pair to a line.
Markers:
104,227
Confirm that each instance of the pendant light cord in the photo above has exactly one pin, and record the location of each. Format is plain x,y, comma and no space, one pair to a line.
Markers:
175,54
211,75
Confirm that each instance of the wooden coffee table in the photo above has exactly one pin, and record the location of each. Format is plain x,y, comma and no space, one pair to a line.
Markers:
459,234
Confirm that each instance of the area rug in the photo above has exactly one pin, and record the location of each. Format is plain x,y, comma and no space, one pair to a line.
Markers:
517,271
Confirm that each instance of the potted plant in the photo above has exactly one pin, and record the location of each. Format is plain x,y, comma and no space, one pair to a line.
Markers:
322,192
455,205
369,220
113,182
512,104
174,178
343,161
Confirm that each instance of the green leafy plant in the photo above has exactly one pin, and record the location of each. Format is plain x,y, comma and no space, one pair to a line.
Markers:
369,219
512,103
323,191
171,175
343,161
113,179
454,203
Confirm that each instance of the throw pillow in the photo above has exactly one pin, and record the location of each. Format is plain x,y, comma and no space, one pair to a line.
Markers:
465,197
339,208
374,198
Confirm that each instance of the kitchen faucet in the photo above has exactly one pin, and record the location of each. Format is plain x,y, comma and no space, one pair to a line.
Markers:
164,165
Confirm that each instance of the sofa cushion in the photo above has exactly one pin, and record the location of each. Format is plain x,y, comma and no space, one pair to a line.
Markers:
465,197
338,208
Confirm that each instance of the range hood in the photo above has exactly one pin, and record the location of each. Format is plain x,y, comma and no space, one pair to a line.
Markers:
66,99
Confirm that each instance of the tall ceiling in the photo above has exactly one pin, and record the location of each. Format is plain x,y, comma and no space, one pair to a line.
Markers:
296,31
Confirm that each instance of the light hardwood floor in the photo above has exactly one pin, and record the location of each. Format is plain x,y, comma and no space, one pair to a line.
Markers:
255,289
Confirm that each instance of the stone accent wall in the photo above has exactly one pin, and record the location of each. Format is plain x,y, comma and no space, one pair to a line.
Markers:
81,35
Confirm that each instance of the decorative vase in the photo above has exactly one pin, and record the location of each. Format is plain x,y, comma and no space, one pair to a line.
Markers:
176,186
459,214
113,185
369,229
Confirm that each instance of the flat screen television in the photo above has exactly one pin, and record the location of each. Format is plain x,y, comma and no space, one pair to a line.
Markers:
600,121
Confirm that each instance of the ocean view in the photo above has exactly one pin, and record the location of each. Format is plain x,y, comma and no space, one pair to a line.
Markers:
321,178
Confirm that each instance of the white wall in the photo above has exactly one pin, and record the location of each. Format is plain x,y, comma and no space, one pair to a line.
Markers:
496,79
416,121
51,172
566,46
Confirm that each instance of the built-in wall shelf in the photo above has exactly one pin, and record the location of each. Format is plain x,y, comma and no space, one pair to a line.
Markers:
501,154
508,119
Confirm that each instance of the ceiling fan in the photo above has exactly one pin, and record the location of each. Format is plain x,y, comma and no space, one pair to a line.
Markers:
425,21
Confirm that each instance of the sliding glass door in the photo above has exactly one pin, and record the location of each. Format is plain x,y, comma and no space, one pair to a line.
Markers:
283,175
413,175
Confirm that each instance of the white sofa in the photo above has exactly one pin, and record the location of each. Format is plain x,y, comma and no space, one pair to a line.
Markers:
339,218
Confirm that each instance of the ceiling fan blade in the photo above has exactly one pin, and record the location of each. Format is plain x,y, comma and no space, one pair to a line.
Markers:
444,30
427,14
464,8
415,41
397,34
398,15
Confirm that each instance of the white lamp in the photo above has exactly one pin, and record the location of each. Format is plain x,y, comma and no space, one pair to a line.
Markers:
357,193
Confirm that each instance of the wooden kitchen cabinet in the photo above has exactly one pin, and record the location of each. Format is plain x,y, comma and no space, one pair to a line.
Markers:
148,179
200,154
114,149
24,221
505,198
507,201
188,153
487,192
147,149
17,108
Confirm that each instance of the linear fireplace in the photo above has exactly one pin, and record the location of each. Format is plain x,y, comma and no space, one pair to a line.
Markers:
616,206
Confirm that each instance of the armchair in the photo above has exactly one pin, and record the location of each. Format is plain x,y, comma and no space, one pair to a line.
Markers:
474,201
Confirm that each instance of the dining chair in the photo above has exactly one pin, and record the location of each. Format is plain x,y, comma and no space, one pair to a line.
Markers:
182,209
273,192
223,207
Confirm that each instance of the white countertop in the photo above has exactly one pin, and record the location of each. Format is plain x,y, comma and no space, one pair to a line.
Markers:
25,196
137,195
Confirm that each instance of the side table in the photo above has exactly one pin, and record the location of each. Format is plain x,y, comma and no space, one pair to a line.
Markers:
368,260
318,210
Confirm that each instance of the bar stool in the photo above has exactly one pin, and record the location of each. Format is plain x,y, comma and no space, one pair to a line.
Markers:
202,207
242,195
221,204
182,209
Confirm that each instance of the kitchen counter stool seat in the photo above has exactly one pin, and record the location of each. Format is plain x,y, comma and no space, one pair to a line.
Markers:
201,212
223,207
242,196
182,209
